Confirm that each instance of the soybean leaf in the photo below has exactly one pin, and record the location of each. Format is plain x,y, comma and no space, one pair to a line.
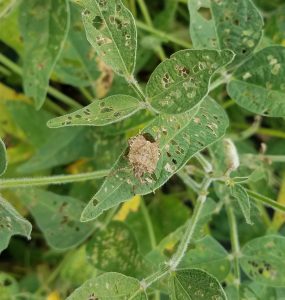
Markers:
99,113
44,26
7,6
8,286
110,29
11,223
115,249
77,64
108,286
3,158
182,81
190,284
63,146
258,84
240,194
178,138
263,260
208,254
225,24
57,216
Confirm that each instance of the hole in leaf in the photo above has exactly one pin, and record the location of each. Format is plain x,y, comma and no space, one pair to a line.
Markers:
205,12
98,22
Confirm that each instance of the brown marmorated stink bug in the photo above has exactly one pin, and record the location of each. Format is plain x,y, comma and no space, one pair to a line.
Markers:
143,155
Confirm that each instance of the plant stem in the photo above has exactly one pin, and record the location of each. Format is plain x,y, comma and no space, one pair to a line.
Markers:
136,87
192,223
163,35
205,164
159,50
234,241
57,179
149,225
266,201
185,241
52,91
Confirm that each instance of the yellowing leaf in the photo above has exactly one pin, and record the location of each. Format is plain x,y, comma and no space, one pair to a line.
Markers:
53,296
130,206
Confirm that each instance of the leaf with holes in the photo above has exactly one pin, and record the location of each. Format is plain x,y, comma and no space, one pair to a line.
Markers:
3,158
258,85
115,249
181,82
162,149
110,29
44,26
99,113
225,24
263,260
240,194
188,284
208,254
11,223
108,286
9,287
57,216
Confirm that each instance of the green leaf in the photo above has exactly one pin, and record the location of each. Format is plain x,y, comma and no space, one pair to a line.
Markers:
57,216
63,146
44,26
240,194
110,29
181,82
11,223
208,254
3,158
225,24
258,84
263,260
99,113
7,6
77,64
8,286
178,138
115,249
108,286
195,284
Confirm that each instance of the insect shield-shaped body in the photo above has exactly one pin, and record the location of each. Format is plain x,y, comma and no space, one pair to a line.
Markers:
143,155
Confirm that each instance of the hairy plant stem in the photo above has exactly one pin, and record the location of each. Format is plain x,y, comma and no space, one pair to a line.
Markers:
266,201
57,179
234,241
171,265
52,91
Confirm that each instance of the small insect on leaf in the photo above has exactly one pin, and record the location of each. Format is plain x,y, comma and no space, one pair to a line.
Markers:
171,140
181,82
99,113
258,84
110,29
143,155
